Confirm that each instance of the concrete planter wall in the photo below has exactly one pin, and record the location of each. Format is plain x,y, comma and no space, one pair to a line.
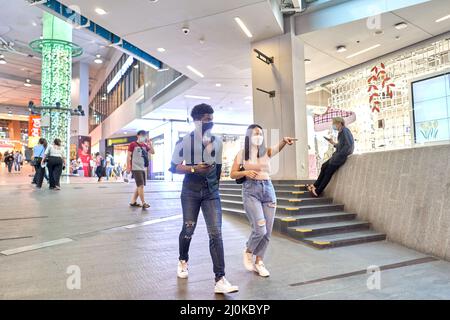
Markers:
403,193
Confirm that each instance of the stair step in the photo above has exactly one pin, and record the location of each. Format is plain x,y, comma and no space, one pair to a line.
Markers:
327,228
301,220
302,209
282,201
344,239
282,194
313,208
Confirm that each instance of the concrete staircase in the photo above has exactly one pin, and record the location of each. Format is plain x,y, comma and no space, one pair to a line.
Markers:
315,221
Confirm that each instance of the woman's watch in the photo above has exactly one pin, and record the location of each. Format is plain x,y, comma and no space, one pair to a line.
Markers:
192,169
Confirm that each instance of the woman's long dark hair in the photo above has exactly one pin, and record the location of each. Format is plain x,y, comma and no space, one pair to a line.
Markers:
248,136
57,142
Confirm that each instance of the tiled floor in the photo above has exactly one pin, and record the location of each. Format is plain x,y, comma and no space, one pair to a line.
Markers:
126,253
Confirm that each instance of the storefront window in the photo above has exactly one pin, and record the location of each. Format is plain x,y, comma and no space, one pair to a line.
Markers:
376,102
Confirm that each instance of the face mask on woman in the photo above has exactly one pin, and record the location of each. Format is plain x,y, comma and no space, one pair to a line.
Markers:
257,140
335,127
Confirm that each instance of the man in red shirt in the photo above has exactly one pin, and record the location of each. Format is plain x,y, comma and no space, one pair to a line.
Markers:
137,163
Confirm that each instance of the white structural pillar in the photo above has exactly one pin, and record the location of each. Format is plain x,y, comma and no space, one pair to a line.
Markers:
285,114
80,96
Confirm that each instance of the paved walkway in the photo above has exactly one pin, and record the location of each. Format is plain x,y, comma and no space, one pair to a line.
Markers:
126,253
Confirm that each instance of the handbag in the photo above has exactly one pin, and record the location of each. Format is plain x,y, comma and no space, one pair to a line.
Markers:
241,180
35,161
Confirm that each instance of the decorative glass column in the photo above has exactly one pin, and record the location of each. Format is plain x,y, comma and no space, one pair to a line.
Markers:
57,50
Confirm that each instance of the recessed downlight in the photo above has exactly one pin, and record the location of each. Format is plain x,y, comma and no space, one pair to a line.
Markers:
307,61
401,26
218,85
27,83
100,11
2,59
341,49
98,59
161,50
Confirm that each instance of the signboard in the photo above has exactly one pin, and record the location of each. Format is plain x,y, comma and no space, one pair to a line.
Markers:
84,154
431,108
116,141
34,130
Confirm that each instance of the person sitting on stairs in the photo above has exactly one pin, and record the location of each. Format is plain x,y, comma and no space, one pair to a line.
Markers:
344,147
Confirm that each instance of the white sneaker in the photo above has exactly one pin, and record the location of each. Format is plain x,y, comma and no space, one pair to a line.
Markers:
223,286
182,269
261,269
248,261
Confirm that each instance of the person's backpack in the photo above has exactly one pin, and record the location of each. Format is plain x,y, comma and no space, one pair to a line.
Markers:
112,160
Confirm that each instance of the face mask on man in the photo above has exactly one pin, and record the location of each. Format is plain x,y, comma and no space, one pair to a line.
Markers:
207,126
141,139
335,127
257,140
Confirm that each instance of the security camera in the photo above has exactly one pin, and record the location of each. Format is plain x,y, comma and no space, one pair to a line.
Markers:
186,30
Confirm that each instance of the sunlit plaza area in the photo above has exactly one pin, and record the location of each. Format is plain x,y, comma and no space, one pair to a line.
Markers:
230,153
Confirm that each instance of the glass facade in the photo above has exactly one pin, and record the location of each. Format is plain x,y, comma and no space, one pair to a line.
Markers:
124,80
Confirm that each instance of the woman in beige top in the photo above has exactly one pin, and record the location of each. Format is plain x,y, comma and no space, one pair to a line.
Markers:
258,193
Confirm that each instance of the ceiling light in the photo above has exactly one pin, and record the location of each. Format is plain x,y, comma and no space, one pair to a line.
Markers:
341,49
196,71
401,26
243,27
307,61
218,85
136,66
27,83
34,24
443,18
248,98
125,132
188,96
363,51
2,59
100,11
98,59
161,50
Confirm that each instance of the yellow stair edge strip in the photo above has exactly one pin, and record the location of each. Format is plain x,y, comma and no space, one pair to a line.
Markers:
321,243
298,192
295,200
289,219
303,230
292,209
299,185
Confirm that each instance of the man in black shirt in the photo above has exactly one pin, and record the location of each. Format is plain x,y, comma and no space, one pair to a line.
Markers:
198,156
344,147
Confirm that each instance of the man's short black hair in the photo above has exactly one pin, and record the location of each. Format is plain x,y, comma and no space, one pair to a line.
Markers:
141,132
200,110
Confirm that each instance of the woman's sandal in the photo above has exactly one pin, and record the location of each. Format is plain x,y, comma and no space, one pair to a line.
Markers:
135,205
145,205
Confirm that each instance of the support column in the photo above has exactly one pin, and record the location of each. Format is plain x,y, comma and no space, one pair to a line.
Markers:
80,96
285,114
56,49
